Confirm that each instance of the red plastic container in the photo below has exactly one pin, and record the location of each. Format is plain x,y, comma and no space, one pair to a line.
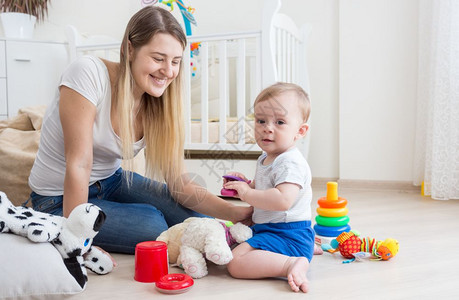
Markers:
151,262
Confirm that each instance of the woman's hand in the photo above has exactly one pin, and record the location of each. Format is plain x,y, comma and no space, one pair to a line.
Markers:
242,214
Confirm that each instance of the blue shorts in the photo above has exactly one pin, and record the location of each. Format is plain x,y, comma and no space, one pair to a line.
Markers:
294,239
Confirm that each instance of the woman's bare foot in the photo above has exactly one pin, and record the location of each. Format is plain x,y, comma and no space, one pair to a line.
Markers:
318,250
296,274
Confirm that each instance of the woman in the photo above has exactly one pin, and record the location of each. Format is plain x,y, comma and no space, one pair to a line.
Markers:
105,111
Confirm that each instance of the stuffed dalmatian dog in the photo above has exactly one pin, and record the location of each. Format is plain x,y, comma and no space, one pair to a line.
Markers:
71,236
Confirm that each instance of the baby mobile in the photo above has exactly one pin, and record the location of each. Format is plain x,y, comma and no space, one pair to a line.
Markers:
188,19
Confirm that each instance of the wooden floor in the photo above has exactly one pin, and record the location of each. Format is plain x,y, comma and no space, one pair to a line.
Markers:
426,267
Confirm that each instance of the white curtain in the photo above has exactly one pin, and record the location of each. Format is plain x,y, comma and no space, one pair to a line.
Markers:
436,160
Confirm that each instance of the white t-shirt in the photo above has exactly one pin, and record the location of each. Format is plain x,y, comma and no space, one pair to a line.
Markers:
89,77
290,167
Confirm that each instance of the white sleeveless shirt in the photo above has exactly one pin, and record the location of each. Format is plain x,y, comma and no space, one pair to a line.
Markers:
89,77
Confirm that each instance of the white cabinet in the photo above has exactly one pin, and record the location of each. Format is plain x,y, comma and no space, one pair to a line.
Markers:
29,73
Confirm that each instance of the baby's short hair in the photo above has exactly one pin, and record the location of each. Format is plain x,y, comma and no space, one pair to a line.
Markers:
281,87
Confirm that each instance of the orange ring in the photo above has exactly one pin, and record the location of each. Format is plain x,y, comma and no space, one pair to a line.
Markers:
323,202
174,283
332,212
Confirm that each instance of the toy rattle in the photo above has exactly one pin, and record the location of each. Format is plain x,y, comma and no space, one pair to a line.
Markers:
228,192
351,246
175,283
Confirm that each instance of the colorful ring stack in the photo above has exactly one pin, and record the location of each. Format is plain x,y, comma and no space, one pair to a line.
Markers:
332,217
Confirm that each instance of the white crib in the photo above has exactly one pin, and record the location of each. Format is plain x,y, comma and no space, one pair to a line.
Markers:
222,81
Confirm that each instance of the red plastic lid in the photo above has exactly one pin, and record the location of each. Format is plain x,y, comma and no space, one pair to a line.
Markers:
174,283
151,245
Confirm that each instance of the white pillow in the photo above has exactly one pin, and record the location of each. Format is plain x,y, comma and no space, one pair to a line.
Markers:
30,269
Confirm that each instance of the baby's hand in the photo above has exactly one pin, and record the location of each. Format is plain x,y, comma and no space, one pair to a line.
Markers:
241,188
233,177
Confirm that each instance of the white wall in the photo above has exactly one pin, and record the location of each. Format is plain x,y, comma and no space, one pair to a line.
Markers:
323,73
362,63
377,88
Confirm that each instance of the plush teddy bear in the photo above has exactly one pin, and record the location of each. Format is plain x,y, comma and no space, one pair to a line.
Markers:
71,236
188,242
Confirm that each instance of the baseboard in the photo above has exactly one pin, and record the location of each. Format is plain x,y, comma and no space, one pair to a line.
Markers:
321,182
222,155
406,186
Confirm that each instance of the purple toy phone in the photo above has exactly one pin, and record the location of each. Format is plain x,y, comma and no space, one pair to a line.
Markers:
230,193
233,178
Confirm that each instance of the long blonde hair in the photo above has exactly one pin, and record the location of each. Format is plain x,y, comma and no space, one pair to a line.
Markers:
162,117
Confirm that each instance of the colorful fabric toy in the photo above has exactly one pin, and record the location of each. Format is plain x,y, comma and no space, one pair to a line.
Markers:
352,247
195,238
71,236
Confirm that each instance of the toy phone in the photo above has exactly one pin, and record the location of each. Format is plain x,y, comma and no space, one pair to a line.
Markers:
228,192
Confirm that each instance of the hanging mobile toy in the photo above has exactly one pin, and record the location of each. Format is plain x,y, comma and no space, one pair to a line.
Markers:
194,52
149,2
186,11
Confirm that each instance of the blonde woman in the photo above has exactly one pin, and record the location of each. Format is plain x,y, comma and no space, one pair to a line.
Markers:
106,111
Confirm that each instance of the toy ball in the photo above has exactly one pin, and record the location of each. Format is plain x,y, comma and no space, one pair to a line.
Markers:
349,243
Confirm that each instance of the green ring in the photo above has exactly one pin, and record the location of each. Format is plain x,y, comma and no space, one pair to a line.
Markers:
332,222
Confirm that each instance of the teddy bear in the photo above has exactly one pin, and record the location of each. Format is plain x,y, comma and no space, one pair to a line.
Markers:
193,240
71,236
351,246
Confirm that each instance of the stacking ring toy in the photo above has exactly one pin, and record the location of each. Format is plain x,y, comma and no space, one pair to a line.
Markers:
332,217
174,283
330,222
325,203
332,212
330,231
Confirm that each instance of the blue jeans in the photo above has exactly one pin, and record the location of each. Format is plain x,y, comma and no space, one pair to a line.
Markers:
134,214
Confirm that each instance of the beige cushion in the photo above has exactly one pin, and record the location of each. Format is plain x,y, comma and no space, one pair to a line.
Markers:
19,139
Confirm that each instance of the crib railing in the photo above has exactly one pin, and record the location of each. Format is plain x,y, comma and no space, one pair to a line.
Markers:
236,54
290,51
101,46
290,55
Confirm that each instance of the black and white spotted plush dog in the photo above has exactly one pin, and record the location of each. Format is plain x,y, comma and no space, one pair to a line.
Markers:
71,236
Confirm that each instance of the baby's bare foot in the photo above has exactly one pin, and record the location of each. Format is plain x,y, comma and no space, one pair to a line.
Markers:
296,274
